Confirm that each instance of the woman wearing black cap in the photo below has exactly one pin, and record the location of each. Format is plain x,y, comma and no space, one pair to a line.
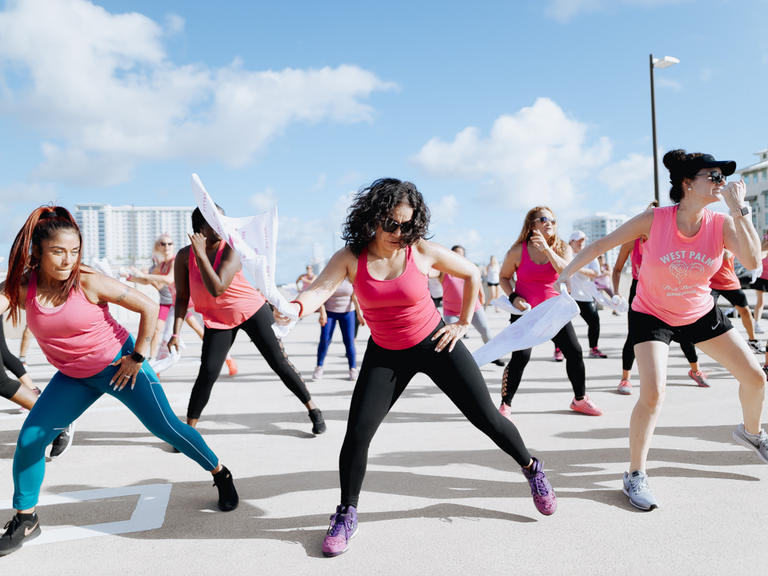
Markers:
683,250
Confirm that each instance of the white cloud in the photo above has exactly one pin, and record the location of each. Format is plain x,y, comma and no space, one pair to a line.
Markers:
99,87
263,201
538,154
564,10
444,211
665,82
174,24
629,183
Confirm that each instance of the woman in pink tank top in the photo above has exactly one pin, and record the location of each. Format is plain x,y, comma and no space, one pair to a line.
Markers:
388,260
684,248
210,272
634,250
528,276
760,285
67,310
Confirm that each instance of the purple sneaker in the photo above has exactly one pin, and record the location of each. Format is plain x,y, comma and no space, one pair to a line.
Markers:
343,527
543,495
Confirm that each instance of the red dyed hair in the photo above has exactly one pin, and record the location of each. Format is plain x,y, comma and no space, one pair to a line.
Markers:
42,224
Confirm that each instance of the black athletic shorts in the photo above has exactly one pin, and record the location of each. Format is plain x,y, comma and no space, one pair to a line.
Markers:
646,328
735,297
760,284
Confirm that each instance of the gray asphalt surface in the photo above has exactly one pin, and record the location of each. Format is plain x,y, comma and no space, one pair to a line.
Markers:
439,497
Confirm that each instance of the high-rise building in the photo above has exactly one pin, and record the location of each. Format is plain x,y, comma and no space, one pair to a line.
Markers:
599,225
125,235
756,179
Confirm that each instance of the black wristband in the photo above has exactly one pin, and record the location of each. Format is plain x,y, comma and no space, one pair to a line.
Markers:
512,297
136,357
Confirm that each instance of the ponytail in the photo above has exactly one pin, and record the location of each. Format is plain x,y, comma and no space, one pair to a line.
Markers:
42,224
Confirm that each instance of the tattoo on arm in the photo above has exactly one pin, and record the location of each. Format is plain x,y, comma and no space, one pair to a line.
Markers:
122,296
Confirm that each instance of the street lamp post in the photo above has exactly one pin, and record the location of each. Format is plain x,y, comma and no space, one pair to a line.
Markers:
665,62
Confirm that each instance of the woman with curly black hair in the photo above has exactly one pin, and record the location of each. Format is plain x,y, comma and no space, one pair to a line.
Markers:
683,250
387,259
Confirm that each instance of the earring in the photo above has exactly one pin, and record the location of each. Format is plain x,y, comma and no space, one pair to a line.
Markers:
689,188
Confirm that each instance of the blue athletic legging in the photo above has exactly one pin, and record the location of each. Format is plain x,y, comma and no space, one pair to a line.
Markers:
66,398
346,322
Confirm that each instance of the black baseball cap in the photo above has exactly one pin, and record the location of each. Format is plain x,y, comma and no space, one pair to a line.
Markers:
727,167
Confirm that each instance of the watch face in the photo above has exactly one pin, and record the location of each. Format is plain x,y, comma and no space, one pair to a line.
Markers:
744,210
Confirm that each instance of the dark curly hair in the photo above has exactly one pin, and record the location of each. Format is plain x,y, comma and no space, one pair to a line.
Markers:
376,202
680,165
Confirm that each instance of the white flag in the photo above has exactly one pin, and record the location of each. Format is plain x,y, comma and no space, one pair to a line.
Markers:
537,325
254,238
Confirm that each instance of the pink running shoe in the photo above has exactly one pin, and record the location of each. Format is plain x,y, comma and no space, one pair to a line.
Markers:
586,406
543,495
558,355
596,353
231,366
506,411
624,387
699,377
342,529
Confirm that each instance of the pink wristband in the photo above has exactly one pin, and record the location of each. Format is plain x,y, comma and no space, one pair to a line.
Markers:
174,335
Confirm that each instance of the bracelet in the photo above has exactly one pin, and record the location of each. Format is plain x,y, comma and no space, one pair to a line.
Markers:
301,307
174,335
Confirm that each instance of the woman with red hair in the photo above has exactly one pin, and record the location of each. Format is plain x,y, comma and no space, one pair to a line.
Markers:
67,310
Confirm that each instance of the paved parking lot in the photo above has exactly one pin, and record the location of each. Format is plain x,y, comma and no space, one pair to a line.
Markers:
439,497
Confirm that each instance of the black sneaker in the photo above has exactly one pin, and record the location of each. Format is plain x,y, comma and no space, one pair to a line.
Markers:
18,530
63,441
228,498
318,422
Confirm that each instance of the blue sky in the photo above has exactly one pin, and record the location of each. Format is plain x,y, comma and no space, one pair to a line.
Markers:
489,109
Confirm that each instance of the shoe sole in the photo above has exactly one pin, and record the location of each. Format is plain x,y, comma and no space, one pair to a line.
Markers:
334,554
653,506
747,444
624,392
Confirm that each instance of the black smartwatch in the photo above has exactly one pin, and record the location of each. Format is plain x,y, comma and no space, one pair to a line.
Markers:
136,357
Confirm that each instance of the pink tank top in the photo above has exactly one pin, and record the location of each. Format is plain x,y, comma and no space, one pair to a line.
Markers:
535,282
764,273
453,295
400,311
239,301
674,285
725,278
79,338
637,258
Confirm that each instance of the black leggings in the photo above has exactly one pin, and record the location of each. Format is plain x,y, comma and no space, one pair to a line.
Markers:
9,360
574,365
588,311
384,375
216,345
628,352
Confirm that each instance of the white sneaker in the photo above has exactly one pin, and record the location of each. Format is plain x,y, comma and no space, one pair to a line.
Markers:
318,373
353,374
758,328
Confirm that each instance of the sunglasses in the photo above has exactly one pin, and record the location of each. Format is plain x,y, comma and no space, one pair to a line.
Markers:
165,243
391,225
544,220
714,176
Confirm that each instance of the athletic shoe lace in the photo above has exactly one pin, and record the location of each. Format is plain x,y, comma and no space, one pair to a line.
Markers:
638,483
540,484
14,524
339,522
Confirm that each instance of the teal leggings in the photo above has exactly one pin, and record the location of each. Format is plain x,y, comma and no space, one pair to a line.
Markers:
66,398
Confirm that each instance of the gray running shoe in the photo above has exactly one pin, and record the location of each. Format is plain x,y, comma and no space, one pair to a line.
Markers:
757,442
755,346
636,487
